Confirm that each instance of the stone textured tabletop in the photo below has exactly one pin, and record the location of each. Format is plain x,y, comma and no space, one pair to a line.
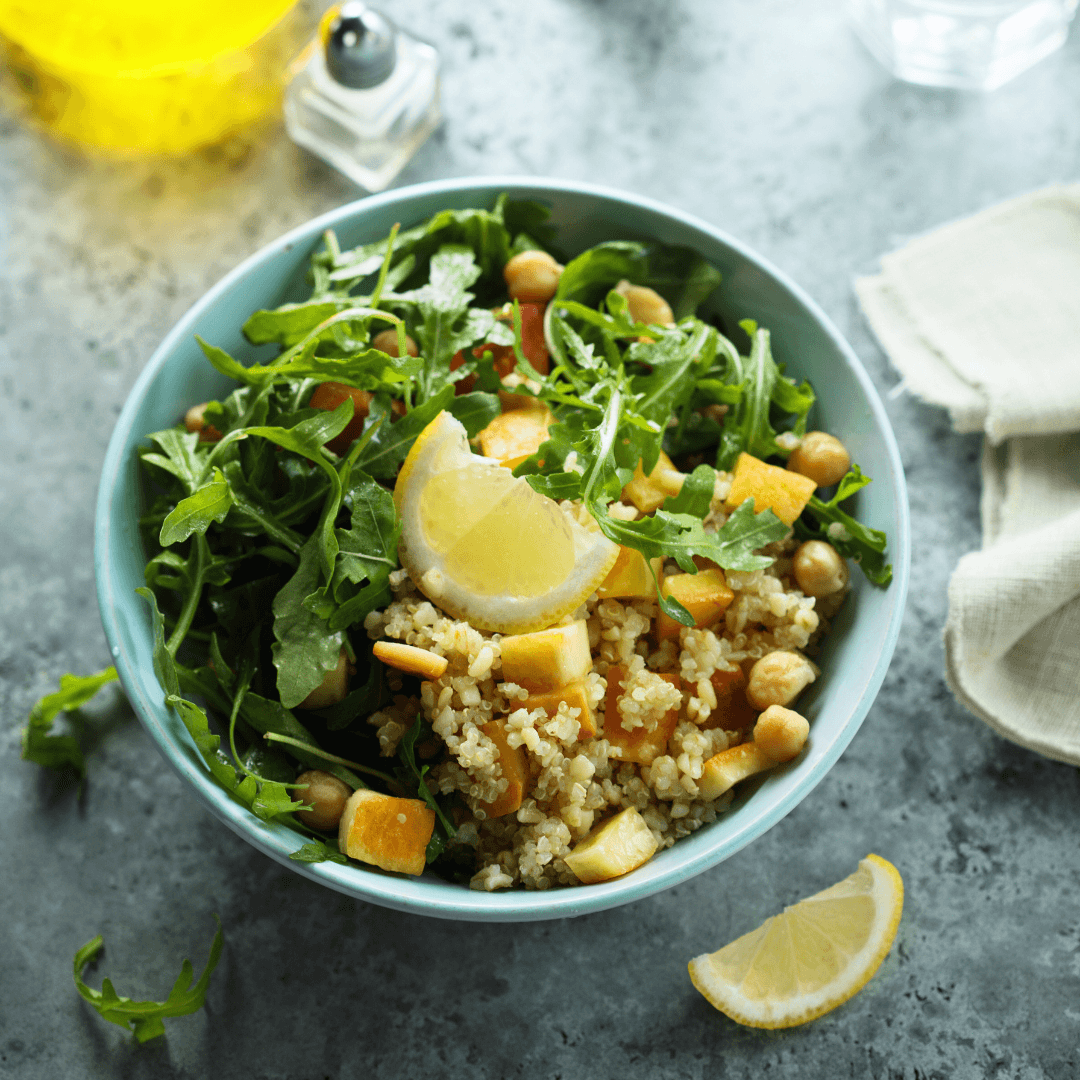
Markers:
766,118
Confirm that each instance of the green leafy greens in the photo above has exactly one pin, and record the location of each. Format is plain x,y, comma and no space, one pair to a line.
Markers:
145,1019
274,533
58,751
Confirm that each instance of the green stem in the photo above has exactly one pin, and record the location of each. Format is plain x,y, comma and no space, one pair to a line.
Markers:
390,782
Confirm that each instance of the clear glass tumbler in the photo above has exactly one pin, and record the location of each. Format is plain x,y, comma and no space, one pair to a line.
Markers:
966,44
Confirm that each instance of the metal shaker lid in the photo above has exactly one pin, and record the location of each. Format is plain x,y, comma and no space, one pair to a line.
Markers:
361,46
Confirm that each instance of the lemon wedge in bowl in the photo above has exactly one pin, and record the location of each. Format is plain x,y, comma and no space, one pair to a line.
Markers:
483,546
810,958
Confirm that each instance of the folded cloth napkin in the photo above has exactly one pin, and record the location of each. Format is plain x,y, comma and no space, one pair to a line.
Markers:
983,317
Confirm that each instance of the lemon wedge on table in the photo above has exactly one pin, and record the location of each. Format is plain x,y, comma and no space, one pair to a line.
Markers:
810,958
483,546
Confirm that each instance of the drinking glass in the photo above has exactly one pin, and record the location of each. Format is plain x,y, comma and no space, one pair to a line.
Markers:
966,44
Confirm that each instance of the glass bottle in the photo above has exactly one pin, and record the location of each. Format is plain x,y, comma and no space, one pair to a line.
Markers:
364,95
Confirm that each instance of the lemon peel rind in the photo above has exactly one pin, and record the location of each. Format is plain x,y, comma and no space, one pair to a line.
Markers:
802,1008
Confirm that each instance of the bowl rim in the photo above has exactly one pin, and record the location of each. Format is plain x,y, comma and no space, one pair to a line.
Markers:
412,895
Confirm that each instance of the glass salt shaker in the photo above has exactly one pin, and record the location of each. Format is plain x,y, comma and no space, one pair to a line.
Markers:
364,95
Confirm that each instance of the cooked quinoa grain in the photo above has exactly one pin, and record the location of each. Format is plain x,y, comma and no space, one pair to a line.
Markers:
575,779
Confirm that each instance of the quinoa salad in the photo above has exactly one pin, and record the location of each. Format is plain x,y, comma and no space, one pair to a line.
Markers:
510,567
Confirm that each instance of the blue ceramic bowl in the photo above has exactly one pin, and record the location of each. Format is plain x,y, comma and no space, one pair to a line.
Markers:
857,652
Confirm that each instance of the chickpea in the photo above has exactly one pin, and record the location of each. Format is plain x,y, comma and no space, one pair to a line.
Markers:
333,688
646,305
778,679
819,568
780,734
325,797
532,276
386,341
822,457
193,421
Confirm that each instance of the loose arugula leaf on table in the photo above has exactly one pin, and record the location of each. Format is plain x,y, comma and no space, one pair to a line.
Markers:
849,536
56,751
145,1019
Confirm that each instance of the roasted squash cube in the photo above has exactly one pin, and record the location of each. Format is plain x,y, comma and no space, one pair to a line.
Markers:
772,488
547,659
630,578
575,696
706,595
641,744
514,436
733,712
514,770
386,831
648,493
621,844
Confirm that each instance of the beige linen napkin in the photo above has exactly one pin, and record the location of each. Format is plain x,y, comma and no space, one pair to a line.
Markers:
983,317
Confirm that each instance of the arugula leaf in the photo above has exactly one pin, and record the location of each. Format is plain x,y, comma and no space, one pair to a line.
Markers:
849,536
367,552
696,495
391,443
289,323
56,751
305,648
145,1018
682,536
211,503
316,851
407,752
748,428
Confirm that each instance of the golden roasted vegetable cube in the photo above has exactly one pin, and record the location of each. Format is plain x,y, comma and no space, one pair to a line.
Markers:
386,831
623,843
641,744
547,659
514,770
575,696
516,435
771,487
630,577
706,595
648,493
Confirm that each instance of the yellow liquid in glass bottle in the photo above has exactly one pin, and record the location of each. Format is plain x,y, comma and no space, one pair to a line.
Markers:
150,77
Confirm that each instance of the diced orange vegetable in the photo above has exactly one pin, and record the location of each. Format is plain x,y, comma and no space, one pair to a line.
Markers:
706,595
386,831
547,659
575,696
630,577
513,436
648,493
771,487
733,712
533,346
639,745
514,769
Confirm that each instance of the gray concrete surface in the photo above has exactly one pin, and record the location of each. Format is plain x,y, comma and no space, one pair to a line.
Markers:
767,118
